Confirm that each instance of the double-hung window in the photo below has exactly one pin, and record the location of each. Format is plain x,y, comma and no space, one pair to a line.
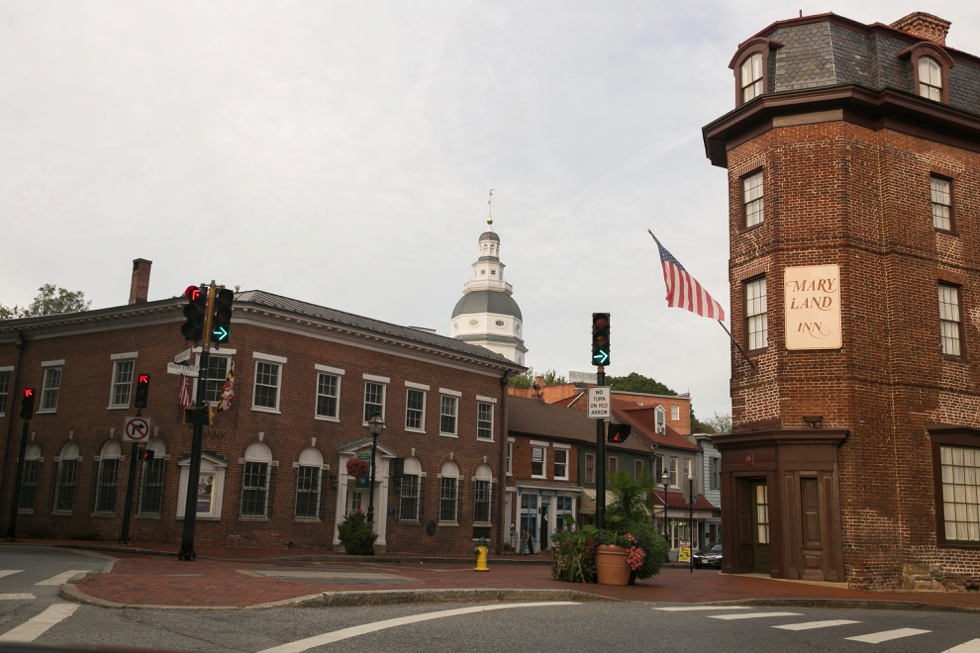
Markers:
409,491
105,495
415,406
590,468
949,320
50,386
752,199
374,396
28,486
255,480
714,464
151,495
4,389
484,421
674,481
448,410
449,493
510,457
308,492
481,502
661,420
539,458
613,464
67,479
216,376
751,77
561,463
122,383
268,381
756,325
637,469
930,79
960,468
942,203
328,395
675,413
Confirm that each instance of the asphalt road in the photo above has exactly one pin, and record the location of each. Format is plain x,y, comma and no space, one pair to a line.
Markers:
618,627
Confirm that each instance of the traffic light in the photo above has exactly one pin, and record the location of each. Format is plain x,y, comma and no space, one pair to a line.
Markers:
27,403
142,390
145,455
194,311
618,433
221,319
600,339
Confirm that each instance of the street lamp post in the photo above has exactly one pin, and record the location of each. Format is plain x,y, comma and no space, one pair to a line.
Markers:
375,425
665,478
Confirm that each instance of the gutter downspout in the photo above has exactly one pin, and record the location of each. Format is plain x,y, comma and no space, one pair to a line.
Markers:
21,345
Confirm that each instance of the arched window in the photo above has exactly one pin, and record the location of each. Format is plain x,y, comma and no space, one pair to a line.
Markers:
930,79
308,482
151,489
255,480
751,77
28,486
64,491
449,493
411,477
105,491
482,495
661,420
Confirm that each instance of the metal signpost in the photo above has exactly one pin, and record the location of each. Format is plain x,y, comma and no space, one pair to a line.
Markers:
600,358
135,430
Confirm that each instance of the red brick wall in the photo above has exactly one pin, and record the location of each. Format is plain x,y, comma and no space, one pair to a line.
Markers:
841,193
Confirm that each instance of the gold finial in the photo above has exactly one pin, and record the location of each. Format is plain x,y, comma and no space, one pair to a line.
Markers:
490,209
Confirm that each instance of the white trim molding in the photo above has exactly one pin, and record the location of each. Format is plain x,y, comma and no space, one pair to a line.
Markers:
272,358
217,352
486,400
450,393
125,356
375,378
58,363
6,368
328,369
539,443
416,386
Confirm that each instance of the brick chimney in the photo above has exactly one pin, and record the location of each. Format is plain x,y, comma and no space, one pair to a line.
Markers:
925,26
140,286
539,388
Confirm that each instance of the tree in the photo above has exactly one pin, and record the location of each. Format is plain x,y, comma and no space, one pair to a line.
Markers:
638,383
551,377
50,300
719,423
526,380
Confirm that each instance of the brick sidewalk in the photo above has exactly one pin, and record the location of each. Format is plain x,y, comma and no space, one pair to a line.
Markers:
219,581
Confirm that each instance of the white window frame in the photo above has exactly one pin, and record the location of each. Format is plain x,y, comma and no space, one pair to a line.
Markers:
751,74
609,467
453,397
424,389
660,420
689,469
7,369
756,314
675,470
489,500
585,471
950,320
675,413
543,446
383,381
119,360
268,359
753,199
480,404
510,456
941,197
48,366
567,451
930,79
338,374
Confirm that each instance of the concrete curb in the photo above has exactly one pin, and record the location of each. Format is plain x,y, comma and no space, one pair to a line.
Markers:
851,604
350,599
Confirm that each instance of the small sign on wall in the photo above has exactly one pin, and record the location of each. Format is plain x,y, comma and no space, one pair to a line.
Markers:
812,306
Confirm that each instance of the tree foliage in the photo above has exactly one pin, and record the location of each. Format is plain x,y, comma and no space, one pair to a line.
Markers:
526,380
50,300
634,382
720,423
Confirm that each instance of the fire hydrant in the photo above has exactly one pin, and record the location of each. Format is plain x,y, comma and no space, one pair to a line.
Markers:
481,555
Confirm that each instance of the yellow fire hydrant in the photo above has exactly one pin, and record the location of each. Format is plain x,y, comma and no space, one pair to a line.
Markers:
481,555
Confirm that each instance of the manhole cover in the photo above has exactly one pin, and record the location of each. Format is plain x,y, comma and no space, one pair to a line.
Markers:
183,575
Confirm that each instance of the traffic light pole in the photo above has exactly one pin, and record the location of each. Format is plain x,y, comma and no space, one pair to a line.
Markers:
18,479
600,472
190,504
130,484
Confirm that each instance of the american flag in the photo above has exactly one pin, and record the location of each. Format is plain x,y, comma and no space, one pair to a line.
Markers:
683,290
184,397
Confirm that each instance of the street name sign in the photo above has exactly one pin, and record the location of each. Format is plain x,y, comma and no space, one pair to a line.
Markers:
583,377
136,429
183,356
599,403
186,370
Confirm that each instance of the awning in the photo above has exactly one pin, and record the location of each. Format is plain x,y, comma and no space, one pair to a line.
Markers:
587,505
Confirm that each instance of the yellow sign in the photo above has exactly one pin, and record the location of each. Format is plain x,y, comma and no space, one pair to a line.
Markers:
684,554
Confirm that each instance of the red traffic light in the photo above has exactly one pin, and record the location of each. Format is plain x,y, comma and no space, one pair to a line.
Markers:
193,293
144,378
28,392
600,320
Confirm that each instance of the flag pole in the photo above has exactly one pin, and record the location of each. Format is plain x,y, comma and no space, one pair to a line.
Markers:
722,324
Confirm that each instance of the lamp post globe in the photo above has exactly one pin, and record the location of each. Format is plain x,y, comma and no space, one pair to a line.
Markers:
665,479
375,425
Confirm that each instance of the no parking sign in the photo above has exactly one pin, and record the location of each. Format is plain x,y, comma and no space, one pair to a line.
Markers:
136,429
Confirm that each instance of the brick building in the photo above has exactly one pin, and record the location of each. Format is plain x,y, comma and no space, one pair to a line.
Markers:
854,176
273,471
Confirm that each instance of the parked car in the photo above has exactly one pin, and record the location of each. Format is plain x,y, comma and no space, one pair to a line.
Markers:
708,557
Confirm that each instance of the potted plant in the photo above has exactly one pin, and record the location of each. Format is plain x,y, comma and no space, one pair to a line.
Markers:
357,468
357,535
611,563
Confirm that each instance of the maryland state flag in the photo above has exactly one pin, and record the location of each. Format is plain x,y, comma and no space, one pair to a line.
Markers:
228,390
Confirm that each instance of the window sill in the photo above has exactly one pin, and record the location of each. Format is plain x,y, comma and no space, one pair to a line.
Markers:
200,518
252,518
948,232
408,430
306,520
409,522
103,515
954,359
50,411
448,435
449,523
126,407
55,513
751,228
960,545
490,440
543,478
23,511
263,409
323,418
560,478
150,517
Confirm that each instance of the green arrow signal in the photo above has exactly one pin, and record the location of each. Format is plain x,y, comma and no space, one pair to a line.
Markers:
221,333
601,357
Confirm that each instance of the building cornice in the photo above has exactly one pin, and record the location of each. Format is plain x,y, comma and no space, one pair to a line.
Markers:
807,436
885,109
105,319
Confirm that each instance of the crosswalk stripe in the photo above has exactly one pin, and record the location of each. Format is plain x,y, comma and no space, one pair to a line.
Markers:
9,572
34,627
17,597
755,615
886,635
973,646
692,608
61,579
809,625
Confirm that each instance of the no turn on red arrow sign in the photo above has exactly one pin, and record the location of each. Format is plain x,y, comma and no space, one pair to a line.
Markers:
136,429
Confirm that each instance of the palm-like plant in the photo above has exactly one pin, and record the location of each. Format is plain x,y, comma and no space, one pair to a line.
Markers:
633,499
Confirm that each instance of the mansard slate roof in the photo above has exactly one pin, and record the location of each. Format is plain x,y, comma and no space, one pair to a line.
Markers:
263,298
828,50
487,301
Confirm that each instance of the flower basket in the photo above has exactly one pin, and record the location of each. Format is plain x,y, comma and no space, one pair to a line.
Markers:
357,468
611,565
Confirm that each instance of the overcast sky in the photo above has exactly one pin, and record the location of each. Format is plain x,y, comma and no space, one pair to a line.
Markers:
341,154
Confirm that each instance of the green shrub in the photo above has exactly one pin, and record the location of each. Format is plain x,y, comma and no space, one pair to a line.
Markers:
573,555
357,535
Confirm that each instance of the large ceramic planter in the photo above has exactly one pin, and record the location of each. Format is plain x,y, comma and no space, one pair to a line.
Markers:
611,566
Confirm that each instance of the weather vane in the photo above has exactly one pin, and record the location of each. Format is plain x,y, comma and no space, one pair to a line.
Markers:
490,209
